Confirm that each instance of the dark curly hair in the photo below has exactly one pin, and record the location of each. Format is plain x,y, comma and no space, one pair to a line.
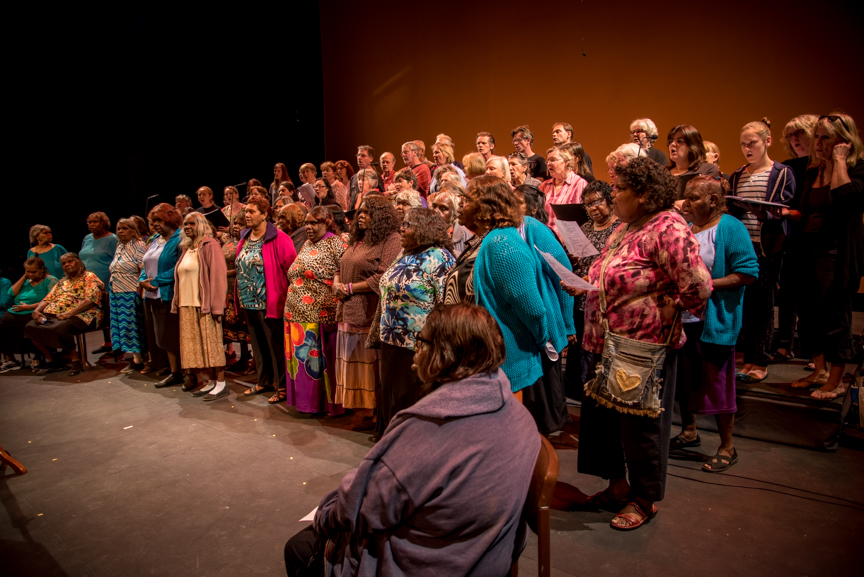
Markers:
648,178
383,221
498,205
429,229
535,202
601,187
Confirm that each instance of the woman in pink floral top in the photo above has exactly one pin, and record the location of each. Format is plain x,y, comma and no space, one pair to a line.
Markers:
655,272
310,319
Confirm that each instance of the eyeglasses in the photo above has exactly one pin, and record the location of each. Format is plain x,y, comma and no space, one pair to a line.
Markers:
425,343
637,131
833,118
792,135
595,203
515,140
406,225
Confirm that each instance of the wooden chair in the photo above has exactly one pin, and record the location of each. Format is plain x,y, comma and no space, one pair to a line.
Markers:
536,511
6,459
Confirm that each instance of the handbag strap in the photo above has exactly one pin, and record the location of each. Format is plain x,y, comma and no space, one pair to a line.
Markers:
604,321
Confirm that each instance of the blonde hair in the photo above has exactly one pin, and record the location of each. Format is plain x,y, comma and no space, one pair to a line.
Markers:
502,165
645,124
844,128
565,152
805,122
761,127
475,164
446,150
202,229
711,148
409,197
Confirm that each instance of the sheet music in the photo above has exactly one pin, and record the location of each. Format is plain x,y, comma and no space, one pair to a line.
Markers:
569,277
574,239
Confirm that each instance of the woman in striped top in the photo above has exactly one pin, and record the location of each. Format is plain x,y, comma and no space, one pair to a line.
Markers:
763,180
127,308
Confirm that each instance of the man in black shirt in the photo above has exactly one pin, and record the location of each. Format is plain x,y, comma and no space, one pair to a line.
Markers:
523,140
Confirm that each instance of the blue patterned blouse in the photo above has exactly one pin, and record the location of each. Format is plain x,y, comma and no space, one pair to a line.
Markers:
410,289
251,287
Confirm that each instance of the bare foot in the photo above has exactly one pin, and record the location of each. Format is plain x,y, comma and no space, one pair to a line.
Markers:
746,368
828,391
757,372
814,380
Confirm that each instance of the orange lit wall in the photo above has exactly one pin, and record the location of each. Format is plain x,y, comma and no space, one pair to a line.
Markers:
396,71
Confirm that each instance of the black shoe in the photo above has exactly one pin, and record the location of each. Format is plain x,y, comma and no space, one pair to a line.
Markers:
170,380
223,393
131,368
204,390
103,349
75,368
52,367
190,382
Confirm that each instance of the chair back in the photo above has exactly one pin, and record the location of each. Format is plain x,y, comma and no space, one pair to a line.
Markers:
536,511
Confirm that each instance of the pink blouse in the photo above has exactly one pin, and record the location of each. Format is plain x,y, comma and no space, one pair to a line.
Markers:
570,193
656,270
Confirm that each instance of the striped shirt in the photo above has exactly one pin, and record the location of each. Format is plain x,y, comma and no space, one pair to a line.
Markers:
126,266
753,186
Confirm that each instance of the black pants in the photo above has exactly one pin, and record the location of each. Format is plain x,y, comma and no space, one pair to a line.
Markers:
400,386
12,334
304,554
573,385
612,444
158,356
787,317
545,399
268,348
57,334
757,326
824,309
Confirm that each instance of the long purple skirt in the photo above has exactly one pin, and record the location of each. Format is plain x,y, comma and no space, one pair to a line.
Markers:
706,375
310,361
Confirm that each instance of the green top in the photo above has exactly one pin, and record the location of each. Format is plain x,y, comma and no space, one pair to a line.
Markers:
31,295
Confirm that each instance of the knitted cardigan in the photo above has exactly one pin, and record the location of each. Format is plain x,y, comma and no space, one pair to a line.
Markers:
507,284
735,253
560,325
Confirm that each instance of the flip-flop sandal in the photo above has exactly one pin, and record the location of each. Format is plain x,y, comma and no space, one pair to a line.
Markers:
778,357
635,520
750,379
829,395
811,366
279,397
719,463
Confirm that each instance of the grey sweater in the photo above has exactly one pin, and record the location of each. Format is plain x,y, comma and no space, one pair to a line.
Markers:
443,490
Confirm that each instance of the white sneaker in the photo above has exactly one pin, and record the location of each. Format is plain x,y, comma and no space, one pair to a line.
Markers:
9,366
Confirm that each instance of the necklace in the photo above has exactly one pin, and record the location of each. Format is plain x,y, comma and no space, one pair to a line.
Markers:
605,223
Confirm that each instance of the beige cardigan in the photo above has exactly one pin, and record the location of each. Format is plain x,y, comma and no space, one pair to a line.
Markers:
212,278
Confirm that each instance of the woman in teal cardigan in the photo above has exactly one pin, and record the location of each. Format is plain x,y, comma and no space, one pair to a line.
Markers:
512,282
707,369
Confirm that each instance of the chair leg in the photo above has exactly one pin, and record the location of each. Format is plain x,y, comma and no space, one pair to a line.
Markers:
544,567
6,459
82,352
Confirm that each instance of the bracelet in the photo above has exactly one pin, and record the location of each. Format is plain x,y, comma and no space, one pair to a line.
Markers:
350,289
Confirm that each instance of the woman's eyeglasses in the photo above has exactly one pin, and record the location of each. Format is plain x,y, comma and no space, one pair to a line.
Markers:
421,342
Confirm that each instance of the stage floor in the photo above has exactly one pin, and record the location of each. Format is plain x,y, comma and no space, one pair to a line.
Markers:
126,479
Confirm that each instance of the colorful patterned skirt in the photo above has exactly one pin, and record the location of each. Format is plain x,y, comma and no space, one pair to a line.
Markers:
310,354
234,329
357,368
200,340
127,322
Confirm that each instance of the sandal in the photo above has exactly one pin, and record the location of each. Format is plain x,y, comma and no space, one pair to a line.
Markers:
279,397
255,390
811,366
781,357
719,463
820,395
749,379
634,520
678,443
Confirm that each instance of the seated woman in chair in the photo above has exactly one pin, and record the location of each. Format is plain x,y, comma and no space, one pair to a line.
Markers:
73,306
457,509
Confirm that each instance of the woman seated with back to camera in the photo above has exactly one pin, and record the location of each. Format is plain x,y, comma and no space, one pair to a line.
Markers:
397,514
446,203
73,306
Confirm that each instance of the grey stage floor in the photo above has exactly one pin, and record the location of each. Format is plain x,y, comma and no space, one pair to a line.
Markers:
126,479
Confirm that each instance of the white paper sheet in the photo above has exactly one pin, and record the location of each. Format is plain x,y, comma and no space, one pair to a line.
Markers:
568,276
574,239
310,517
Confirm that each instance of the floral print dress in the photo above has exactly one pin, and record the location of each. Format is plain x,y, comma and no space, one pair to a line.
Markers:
410,289
310,327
